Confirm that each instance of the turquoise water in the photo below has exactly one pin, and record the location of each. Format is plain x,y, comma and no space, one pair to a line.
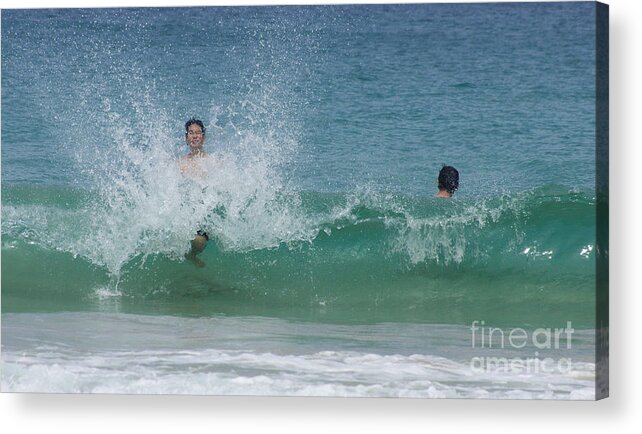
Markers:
327,126
366,258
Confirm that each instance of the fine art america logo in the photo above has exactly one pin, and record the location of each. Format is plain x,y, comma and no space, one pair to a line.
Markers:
543,339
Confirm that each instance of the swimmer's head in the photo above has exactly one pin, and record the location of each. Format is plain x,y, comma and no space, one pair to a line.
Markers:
195,135
448,179
194,121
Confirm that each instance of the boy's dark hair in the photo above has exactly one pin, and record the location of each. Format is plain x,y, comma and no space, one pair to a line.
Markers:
193,121
448,179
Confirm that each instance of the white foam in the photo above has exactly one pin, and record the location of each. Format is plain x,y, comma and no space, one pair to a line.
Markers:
121,353
327,373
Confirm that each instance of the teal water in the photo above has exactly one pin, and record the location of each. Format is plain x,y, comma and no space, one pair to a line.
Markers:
327,126
365,258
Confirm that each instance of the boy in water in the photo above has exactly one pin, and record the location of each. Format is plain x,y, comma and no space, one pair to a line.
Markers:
447,182
191,167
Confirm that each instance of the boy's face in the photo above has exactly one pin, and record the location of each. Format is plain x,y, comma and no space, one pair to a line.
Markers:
195,137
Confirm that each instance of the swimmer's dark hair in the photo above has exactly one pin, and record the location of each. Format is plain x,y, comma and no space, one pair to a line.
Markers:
193,121
448,179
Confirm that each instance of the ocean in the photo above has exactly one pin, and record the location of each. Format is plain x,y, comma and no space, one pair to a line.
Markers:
331,269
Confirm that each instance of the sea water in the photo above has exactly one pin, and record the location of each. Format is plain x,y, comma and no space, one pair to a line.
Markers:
331,268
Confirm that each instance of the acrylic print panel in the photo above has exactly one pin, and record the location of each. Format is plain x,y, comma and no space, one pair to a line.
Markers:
296,241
